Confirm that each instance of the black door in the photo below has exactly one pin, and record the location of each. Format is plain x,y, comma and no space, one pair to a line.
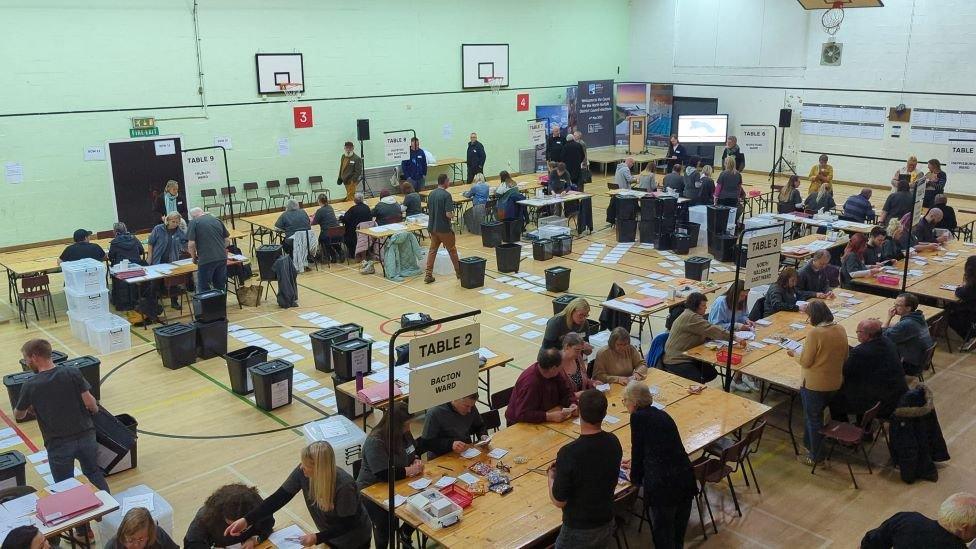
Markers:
139,175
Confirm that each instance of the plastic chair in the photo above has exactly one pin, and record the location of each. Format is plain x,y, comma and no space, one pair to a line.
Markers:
316,186
179,284
492,420
334,237
752,438
851,437
702,468
274,192
209,198
249,198
927,363
34,288
294,186
500,399
940,328
229,195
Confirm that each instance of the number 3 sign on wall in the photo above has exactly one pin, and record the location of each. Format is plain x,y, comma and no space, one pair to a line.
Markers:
303,117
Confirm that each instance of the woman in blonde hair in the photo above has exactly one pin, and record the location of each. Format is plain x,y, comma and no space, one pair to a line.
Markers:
822,200
139,530
331,496
571,319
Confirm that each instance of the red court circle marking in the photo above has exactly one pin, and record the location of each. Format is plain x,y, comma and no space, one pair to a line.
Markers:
405,335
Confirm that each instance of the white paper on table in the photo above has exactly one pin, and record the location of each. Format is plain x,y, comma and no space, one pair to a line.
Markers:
307,346
487,291
950,287
444,481
653,292
509,328
420,483
43,468
320,393
497,453
531,334
745,335
263,342
603,387
657,405
506,310
471,453
538,289
764,322
756,345
142,500
379,377
24,505
770,341
797,326
585,260
294,358
634,282
611,419
665,264
486,353
525,316
63,486
37,457
855,301
287,538
468,478
502,296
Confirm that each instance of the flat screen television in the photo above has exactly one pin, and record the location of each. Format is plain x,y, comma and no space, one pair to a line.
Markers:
703,128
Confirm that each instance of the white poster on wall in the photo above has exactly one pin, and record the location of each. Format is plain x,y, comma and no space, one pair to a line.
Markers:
962,157
537,133
396,146
755,141
203,167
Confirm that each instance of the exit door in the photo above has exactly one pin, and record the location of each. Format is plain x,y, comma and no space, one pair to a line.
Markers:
140,170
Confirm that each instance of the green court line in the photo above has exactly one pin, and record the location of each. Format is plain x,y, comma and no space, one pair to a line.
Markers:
360,307
242,398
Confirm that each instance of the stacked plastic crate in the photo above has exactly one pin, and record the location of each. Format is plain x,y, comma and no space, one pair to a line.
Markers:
88,296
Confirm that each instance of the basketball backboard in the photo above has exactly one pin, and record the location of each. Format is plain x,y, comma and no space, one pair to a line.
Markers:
275,69
846,4
484,66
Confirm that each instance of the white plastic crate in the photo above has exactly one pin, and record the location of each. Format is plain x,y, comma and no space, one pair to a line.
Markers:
78,328
109,333
84,276
345,437
549,231
434,508
87,305
554,220
162,511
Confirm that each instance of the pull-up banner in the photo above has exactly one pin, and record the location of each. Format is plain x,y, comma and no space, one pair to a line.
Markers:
594,111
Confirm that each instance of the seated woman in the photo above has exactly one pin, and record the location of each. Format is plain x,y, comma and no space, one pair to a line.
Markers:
138,530
411,199
645,179
330,495
721,314
688,331
387,210
479,191
852,263
325,218
823,200
571,319
223,507
962,314
619,362
573,364
507,196
25,537
783,294
899,239
789,196
293,219
124,246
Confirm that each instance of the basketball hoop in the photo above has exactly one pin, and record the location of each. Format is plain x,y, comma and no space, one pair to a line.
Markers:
494,83
832,18
291,90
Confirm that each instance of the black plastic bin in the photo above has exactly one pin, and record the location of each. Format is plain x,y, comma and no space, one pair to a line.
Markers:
542,249
562,245
559,303
13,383
626,208
90,368
717,218
647,230
56,357
648,207
473,271
693,229
211,338
13,470
238,362
116,438
557,279
346,405
176,344
507,257
663,240
323,340
626,230
723,247
681,244
210,305
267,254
512,230
592,327
352,357
491,233
696,268
272,383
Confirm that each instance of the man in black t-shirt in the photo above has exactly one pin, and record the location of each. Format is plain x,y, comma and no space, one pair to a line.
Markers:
61,399
82,248
584,477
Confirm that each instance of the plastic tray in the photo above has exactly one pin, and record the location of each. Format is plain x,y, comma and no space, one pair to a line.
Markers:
723,355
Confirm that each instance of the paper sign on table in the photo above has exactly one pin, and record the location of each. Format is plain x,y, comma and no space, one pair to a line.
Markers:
471,453
420,483
444,481
497,453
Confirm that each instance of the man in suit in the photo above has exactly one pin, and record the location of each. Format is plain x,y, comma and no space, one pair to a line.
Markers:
476,157
555,144
168,202
573,155
350,170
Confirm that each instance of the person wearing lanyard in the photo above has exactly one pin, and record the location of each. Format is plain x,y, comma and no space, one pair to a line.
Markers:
170,201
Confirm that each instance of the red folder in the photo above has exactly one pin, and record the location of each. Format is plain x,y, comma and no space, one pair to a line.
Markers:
378,392
125,275
63,506
649,302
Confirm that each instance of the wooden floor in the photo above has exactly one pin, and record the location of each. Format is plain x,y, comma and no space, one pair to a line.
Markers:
197,435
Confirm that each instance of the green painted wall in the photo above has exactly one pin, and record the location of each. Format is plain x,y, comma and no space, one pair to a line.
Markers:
88,67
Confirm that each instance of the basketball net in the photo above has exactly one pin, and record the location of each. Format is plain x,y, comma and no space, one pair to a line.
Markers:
292,91
832,18
494,84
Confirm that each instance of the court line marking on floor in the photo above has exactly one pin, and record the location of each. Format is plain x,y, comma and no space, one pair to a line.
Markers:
222,466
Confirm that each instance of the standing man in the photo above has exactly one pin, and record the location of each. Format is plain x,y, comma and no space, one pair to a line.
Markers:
415,167
573,155
61,399
350,170
578,137
440,212
169,201
583,478
476,157
208,241
554,145
820,173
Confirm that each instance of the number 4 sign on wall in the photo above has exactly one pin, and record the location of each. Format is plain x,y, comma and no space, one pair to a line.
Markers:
522,102
303,117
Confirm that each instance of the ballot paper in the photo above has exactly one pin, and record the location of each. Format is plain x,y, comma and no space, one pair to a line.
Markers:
634,282
653,292
603,387
24,505
297,376
797,326
272,347
63,486
497,453
305,386
756,345
320,393
37,457
398,500
468,478
308,316
745,335
294,358
444,482
142,500
278,353
770,341
420,483
763,322
506,310
291,334
525,316
287,538
532,334
612,420
471,453
486,353
487,291
540,321
509,328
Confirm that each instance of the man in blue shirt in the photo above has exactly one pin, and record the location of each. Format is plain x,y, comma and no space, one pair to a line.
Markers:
858,206
415,167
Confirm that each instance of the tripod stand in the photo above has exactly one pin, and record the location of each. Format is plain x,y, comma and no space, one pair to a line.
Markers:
778,164
366,190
